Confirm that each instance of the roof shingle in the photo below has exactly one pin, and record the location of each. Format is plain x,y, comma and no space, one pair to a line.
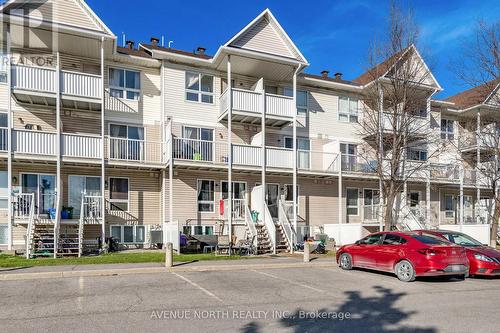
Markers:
473,96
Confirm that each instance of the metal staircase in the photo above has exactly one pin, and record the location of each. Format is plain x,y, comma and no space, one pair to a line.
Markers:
408,220
42,240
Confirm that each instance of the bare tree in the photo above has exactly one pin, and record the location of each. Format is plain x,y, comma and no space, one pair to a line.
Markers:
395,110
479,68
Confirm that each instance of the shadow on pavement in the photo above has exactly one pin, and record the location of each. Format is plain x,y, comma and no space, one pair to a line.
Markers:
367,314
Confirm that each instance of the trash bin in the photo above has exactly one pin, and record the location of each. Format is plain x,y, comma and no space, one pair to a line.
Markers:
52,213
255,216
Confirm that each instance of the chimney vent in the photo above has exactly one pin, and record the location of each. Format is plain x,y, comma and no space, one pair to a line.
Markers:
201,50
324,73
338,76
155,41
130,44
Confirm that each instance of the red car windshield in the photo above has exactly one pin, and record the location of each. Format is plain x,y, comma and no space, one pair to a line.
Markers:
429,239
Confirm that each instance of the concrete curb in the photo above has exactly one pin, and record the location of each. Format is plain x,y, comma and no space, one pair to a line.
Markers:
145,270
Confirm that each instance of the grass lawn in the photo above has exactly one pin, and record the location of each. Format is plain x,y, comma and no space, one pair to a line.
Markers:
111,258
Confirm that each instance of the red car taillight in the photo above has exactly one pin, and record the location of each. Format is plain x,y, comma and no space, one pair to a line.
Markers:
430,252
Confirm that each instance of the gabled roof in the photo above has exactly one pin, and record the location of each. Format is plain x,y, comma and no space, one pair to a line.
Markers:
329,79
175,51
475,96
69,13
264,34
384,68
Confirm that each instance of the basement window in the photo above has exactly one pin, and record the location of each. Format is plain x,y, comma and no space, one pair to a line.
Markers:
129,234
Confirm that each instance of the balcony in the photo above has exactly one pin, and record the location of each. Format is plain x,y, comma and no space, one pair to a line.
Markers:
40,145
194,152
37,85
135,152
351,163
417,128
486,142
248,106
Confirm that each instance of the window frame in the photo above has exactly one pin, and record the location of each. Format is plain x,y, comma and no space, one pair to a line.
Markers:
205,201
422,154
6,196
124,89
134,232
199,92
203,226
234,182
347,201
453,205
288,91
119,200
349,113
447,135
127,126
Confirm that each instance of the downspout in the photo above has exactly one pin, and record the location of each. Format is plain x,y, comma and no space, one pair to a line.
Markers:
295,157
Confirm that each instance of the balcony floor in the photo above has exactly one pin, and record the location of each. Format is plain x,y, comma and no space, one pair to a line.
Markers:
44,99
250,118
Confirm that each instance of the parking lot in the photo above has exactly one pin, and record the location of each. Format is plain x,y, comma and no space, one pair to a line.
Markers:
267,300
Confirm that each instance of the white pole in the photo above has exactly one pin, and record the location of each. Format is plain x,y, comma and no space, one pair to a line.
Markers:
58,149
9,141
381,158
103,160
428,182
461,198
230,153
263,153
478,162
340,205
295,157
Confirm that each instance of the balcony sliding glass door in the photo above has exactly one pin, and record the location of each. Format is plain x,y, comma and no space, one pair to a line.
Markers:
126,142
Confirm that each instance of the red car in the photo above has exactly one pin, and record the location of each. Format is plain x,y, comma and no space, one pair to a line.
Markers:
483,260
407,254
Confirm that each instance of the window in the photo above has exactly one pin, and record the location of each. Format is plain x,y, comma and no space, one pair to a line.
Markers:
391,239
206,196
79,185
191,230
352,201
127,142
4,117
416,154
414,199
348,109
239,190
349,156
447,129
199,87
44,189
3,69
371,239
118,194
124,83
129,233
4,192
303,151
449,205
429,239
198,144
302,102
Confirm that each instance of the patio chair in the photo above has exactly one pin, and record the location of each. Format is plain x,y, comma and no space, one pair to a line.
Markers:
223,244
248,247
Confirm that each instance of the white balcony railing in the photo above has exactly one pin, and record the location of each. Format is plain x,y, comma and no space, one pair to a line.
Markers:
238,208
250,101
279,157
35,142
81,84
41,79
131,150
247,155
4,135
84,146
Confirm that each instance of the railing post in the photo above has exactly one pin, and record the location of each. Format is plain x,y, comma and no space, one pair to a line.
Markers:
169,255
9,142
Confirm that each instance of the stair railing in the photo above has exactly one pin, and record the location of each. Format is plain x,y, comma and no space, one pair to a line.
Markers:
80,226
30,197
271,228
250,224
286,225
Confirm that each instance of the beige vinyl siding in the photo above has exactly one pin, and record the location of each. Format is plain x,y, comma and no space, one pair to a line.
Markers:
67,12
264,37
81,123
144,198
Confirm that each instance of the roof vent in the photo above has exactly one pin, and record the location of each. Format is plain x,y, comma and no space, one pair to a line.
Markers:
130,44
201,50
338,76
325,73
155,41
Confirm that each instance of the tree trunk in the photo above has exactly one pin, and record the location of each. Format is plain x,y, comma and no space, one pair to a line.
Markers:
494,223
388,216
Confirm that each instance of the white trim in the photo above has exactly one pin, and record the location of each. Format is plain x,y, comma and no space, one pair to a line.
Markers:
346,201
124,89
205,202
119,200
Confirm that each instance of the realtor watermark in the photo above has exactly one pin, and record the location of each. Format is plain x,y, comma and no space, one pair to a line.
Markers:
247,315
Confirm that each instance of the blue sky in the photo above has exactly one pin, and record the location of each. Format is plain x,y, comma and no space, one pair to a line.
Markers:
332,35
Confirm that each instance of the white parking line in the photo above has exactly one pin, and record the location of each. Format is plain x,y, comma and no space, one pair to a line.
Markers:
198,286
289,281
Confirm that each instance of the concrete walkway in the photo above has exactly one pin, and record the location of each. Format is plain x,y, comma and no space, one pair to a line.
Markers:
40,272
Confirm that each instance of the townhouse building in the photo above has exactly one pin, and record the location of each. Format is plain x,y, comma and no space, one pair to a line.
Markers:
99,140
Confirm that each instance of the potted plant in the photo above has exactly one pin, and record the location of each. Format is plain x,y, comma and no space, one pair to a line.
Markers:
67,212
